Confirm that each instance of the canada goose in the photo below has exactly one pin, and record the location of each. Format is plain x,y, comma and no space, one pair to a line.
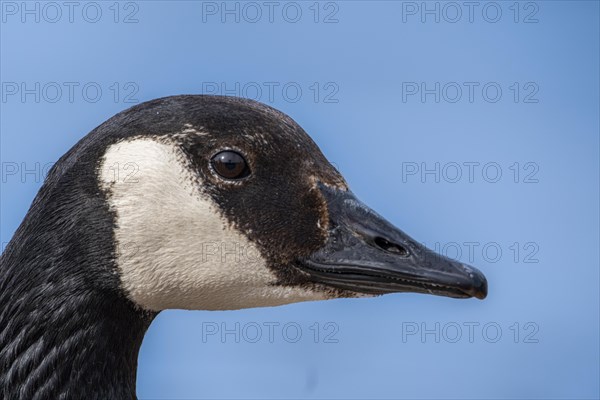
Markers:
121,228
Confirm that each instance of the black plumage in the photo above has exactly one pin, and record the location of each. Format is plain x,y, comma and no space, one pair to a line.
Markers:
67,330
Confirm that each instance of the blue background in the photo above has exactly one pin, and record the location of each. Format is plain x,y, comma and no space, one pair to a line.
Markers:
374,131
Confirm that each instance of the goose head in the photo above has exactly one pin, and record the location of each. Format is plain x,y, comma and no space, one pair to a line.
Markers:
187,202
231,205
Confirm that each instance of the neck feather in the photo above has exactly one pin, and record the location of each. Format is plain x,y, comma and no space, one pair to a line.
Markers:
60,342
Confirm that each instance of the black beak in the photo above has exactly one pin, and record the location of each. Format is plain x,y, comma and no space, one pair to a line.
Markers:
367,254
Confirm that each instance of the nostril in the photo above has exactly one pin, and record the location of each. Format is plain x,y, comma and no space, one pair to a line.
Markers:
391,247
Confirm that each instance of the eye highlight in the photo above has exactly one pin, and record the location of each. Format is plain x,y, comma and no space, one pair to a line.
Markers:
230,165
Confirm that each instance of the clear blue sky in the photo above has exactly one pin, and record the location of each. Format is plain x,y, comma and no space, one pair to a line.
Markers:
478,134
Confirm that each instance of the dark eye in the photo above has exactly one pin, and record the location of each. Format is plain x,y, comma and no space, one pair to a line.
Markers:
230,165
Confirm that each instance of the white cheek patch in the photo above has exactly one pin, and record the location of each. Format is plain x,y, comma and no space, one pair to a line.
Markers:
174,247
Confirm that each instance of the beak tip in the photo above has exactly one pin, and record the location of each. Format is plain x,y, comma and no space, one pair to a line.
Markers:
480,286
